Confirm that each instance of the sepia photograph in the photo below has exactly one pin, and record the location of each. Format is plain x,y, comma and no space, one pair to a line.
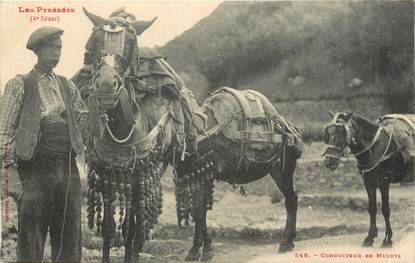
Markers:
214,131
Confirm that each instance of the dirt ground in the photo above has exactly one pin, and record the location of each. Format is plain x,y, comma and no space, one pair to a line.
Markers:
331,226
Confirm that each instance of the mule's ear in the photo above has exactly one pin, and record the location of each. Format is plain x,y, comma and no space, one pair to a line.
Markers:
96,20
141,26
331,113
348,116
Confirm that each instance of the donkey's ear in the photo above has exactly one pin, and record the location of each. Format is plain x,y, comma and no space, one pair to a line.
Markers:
96,20
141,26
331,113
348,116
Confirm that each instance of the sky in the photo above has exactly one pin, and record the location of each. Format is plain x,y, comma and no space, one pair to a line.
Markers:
174,17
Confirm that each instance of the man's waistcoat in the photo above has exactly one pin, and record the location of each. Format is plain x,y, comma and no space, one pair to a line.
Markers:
28,130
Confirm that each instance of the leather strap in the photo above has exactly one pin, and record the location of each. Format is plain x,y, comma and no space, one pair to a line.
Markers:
126,106
269,108
401,117
241,100
213,131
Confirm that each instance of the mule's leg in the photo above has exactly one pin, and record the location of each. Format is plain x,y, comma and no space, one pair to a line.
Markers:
370,186
139,238
285,184
106,232
194,252
197,195
384,191
207,204
128,237
207,241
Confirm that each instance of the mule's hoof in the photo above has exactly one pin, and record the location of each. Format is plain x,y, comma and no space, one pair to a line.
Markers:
193,255
286,247
387,243
207,255
368,242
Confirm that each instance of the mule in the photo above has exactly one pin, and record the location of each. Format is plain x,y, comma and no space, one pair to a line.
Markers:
213,155
379,159
134,121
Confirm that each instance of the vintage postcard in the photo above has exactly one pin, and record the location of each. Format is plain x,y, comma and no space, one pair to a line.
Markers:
220,131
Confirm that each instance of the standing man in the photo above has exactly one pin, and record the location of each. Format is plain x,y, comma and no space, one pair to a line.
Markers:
39,137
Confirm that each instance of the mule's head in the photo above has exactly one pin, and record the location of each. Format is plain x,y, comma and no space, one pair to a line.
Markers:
111,49
338,136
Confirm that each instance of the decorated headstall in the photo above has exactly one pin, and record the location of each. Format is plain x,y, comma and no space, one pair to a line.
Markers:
113,43
338,135
107,70
111,56
117,29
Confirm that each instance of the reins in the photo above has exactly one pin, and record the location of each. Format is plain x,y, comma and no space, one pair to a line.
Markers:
375,139
384,156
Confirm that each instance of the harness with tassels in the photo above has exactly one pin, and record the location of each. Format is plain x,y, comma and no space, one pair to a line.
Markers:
124,155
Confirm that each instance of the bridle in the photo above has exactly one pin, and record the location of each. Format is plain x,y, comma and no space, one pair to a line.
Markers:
107,100
339,122
375,139
114,46
349,139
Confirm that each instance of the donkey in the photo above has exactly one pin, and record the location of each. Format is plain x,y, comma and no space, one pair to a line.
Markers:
135,118
215,155
379,159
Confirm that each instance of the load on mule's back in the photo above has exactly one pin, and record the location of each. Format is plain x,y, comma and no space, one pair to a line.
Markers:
243,140
136,115
250,125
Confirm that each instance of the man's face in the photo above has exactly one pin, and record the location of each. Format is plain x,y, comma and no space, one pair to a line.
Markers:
49,53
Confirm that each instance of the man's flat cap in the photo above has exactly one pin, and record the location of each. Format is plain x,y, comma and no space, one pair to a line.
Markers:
41,35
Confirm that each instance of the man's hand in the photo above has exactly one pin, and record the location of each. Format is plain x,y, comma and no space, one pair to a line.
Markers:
14,185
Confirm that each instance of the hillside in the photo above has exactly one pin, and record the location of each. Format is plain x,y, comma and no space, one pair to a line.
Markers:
302,51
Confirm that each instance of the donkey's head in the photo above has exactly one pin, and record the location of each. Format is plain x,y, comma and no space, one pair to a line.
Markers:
111,49
112,52
338,136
